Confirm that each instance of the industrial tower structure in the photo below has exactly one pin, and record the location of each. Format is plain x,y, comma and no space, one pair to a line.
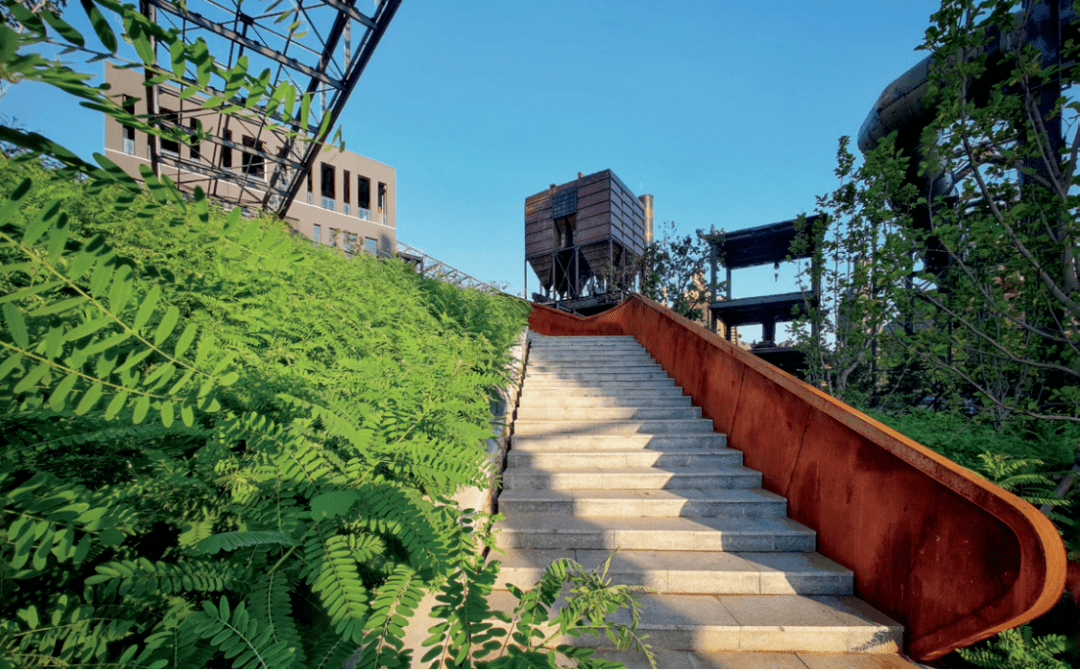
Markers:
320,46
582,239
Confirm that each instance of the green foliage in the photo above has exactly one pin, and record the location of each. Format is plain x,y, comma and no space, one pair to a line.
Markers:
1017,649
328,407
672,272
470,633
221,445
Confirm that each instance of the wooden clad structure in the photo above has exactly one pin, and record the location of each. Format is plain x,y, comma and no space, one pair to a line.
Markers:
575,231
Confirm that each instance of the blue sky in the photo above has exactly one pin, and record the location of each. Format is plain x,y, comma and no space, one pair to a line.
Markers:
727,112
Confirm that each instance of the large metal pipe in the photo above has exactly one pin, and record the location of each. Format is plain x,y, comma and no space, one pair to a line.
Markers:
902,106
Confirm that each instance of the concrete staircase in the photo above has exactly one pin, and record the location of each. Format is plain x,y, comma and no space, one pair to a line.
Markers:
607,453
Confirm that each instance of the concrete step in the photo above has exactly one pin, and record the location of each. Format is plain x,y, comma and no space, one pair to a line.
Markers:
704,623
667,659
694,457
692,572
587,368
601,426
669,397
635,390
601,443
596,376
606,357
585,349
630,479
563,342
629,363
608,413
735,534
644,503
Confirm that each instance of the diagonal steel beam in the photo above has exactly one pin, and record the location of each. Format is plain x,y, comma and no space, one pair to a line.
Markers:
383,15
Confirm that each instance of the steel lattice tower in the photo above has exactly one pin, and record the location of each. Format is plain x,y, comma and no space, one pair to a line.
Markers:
320,46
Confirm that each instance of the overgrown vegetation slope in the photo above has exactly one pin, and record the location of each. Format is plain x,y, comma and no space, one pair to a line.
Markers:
208,423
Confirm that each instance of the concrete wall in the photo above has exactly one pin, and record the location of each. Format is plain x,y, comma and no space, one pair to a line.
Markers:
503,412
946,553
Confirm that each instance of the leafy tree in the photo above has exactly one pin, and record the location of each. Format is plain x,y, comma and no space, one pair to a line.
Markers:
672,272
969,298
222,445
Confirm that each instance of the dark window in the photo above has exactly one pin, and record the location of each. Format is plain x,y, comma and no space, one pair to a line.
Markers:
310,178
253,164
169,120
363,192
129,107
128,134
226,152
196,149
327,183
382,203
345,187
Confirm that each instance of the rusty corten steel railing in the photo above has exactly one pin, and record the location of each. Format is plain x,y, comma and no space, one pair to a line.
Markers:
946,553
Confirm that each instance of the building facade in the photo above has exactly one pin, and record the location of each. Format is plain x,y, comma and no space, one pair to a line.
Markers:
348,200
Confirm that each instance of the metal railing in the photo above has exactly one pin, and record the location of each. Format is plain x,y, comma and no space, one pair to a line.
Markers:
430,267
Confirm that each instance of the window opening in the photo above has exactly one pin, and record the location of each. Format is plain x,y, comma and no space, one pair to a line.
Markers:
316,233
129,131
371,245
326,186
382,202
226,152
253,164
363,197
310,179
195,147
169,120
345,186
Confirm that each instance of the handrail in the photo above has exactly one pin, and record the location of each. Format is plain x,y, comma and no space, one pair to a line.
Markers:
951,556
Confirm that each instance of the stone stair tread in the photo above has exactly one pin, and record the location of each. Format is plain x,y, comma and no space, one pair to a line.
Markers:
546,523
638,471
811,623
525,427
679,561
686,572
740,495
669,659
669,441
600,401
610,413
631,479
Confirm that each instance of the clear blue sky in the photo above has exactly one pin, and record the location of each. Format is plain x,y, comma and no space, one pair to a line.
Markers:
727,112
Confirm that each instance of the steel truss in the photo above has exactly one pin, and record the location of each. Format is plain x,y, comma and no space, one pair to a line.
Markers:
324,56
599,270
430,267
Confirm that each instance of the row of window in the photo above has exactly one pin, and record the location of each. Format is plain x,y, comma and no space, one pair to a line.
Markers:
252,163
370,244
328,192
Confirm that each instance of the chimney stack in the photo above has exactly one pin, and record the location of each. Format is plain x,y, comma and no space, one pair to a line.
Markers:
646,203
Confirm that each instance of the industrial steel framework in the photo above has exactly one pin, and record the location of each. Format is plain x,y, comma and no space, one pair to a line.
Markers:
320,46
